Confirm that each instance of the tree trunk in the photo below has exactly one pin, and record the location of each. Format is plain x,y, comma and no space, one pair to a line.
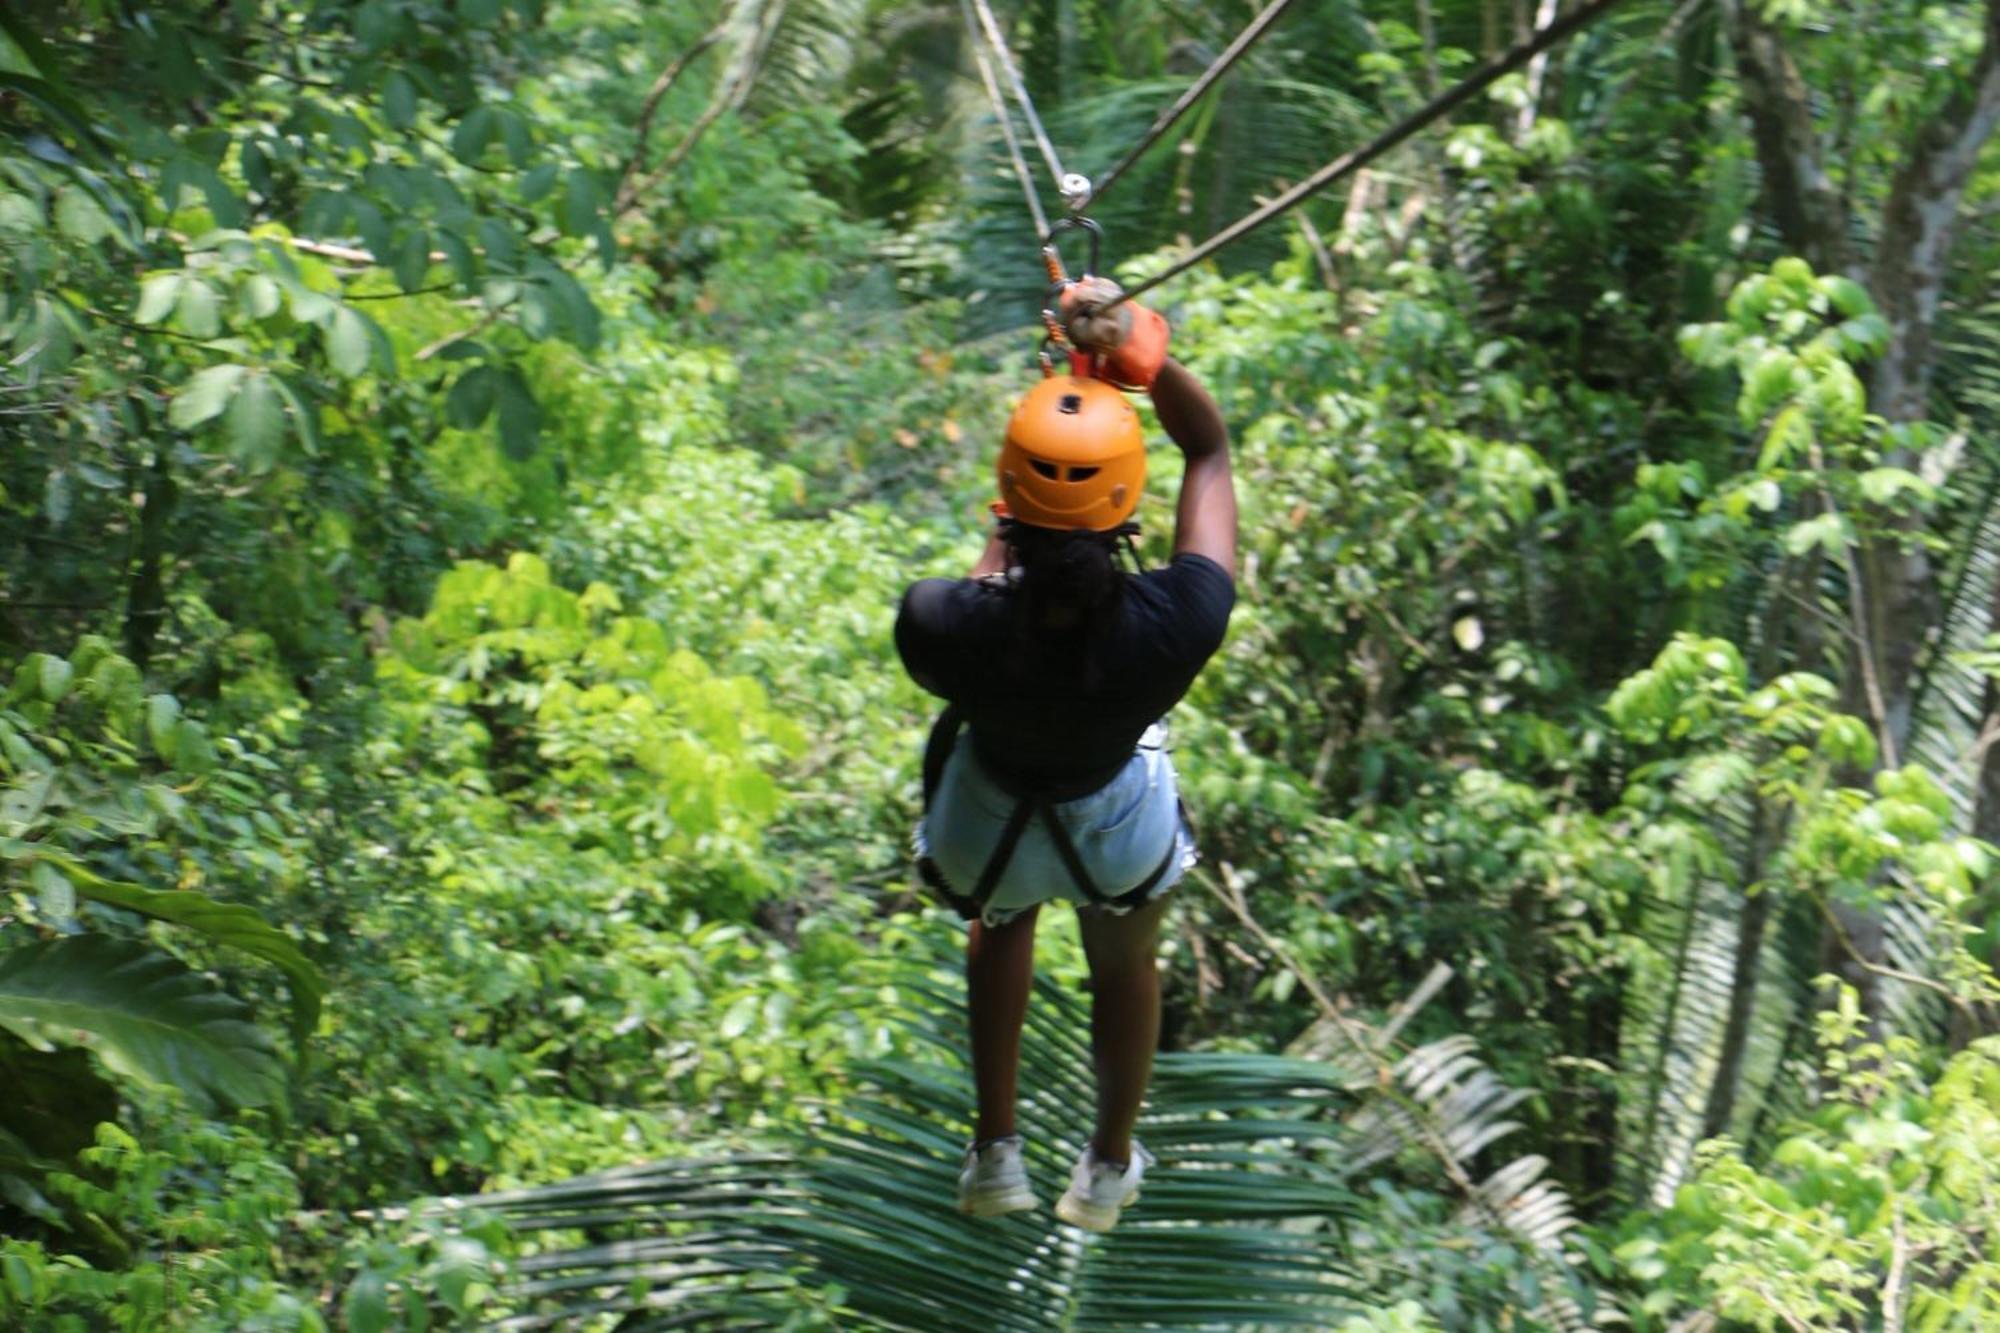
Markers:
1897,598
1798,191
145,597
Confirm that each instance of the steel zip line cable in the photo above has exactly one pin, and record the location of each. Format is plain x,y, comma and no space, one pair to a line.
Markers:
1169,117
999,44
1006,120
1437,107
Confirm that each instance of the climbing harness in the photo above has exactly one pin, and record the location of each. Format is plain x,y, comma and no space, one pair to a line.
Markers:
1031,802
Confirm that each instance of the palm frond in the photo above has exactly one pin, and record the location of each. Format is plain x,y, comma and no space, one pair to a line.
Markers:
1264,1164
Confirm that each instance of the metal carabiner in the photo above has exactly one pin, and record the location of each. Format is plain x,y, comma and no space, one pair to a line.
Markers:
1052,257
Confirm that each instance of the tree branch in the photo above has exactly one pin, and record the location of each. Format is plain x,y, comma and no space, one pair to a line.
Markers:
1797,189
654,95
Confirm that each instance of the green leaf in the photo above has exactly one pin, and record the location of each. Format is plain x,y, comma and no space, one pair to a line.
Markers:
52,676
80,217
144,1013
205,395
56,896
737,1021
471,398
399,100
348,342
519,137
233,925
520,415
538,182
459,255
304,411
157,297
199,310
1883,485
1768,384
163,711
255,423
1849,297
1791,434
1828,531
581,201
413,259
259,297
473,132
366,1305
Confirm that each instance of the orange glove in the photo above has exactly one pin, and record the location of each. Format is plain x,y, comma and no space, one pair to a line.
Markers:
1129,342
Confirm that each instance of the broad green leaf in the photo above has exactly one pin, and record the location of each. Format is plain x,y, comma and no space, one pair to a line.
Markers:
259,297
348,342
1768,383
459,255
205,395
305,413
413,259
158,296
1883,486
52,676
520,415
199,309
366,1305
399,100
1827,531
538,182
473,132
516,133
80,217
1791,434
55,895
231,924
1849,297
255,423
471,398
144,1013
163,711
581,201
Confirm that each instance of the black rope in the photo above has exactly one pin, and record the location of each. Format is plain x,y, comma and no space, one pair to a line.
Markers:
999,45
1006,123
1436,108
1171,115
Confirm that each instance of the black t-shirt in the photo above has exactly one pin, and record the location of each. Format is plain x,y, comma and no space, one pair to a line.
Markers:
1032,713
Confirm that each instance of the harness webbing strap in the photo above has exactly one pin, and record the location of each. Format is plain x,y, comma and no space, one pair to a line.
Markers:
1027,805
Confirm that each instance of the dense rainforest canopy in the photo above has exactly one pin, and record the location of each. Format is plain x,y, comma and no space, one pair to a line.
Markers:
458,463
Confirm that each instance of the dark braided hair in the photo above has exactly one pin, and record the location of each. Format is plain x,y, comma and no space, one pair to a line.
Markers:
1070,583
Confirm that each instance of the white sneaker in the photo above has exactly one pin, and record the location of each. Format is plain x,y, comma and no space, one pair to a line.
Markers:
1097,1190
993,1180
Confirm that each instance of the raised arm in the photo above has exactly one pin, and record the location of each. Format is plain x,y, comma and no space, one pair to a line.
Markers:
1205,523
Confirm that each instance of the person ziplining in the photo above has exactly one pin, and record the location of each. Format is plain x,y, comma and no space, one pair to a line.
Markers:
1047,773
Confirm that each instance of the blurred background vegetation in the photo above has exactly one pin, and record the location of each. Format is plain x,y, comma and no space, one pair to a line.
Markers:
458,460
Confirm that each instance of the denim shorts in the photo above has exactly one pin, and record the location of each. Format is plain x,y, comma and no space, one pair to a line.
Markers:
1122,831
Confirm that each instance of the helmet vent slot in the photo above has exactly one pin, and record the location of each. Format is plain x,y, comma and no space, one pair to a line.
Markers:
1046,469
1071,404
1082,473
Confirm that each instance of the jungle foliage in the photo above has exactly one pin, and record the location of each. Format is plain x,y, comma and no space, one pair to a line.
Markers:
458,462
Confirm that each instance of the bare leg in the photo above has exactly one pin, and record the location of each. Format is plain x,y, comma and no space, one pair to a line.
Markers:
1124,1018
999,971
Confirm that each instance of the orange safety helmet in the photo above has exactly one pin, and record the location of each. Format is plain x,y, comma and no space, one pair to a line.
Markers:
1074,456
